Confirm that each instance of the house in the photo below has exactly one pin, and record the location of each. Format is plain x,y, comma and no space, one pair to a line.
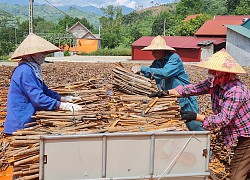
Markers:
216,27
238,42
190,49
85,40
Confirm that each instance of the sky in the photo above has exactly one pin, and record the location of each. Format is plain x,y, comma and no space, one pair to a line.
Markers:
135,4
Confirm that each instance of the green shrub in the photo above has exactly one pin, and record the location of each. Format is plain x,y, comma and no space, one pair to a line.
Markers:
118,51
66,53
4,58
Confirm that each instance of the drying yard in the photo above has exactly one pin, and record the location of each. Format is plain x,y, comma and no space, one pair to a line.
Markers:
113,100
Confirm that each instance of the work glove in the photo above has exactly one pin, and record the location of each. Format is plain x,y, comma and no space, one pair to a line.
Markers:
188,115
158,94
136,69
69,107
69,98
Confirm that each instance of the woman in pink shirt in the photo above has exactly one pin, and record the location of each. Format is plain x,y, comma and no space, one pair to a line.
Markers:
230,105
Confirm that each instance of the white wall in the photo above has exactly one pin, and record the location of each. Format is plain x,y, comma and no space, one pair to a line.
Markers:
238,47
206,51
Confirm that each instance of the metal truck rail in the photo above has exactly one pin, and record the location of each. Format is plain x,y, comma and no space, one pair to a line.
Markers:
145,155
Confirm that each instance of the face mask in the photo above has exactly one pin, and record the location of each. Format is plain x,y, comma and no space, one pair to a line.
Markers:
39,58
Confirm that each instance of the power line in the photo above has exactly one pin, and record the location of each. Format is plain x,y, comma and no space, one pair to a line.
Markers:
58,9
63,3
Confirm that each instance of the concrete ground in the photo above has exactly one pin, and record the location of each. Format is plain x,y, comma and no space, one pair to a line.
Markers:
89,59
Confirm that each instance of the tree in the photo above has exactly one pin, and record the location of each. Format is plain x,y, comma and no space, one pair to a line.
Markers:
214,7
231,5
243,8
188,28
109,12
135,34
187,7
23,28
110,24
110,39
130,18
112,17
7,31
170,19
43,26
68,22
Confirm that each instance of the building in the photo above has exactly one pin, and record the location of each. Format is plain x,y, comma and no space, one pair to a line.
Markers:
85,40
238,42
216,27
190,49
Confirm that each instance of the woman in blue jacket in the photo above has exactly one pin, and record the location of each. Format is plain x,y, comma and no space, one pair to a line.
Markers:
168,71
27,92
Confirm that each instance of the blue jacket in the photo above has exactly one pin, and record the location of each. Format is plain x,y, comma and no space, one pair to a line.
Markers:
27,94
168,74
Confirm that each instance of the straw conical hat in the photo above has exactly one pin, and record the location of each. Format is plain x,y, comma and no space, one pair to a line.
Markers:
33,44
158,43
222,61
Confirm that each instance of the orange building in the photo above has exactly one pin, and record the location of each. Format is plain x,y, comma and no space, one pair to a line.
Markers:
85,40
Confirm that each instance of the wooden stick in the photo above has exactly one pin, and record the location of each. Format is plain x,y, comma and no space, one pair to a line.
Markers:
26,172
151,104
30,159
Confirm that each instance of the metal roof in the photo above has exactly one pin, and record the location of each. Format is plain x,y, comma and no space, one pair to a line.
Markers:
191,17
240,29
246,24
178,41
216,27
80,33
231,17
244,29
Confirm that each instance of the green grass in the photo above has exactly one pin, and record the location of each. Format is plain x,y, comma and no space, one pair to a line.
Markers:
5,58
119,51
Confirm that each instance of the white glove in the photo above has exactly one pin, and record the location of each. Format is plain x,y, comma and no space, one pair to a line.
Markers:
69,98
70,107
136,69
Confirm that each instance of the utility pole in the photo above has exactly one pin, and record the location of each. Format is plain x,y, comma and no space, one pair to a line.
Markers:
31,16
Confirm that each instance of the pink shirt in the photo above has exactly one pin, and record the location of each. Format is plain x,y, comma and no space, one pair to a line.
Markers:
230,105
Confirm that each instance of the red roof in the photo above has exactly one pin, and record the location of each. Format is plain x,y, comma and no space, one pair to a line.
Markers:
191,17
216,27
178,41
241,17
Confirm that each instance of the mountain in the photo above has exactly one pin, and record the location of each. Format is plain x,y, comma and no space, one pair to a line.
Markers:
48,12
126,10
156,10
91,9
20,9
95,10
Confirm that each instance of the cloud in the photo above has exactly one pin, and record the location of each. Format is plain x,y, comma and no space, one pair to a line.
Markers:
128,3
131,4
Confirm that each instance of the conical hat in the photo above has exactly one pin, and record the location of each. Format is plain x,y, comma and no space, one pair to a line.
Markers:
33,44
222,61
158,43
